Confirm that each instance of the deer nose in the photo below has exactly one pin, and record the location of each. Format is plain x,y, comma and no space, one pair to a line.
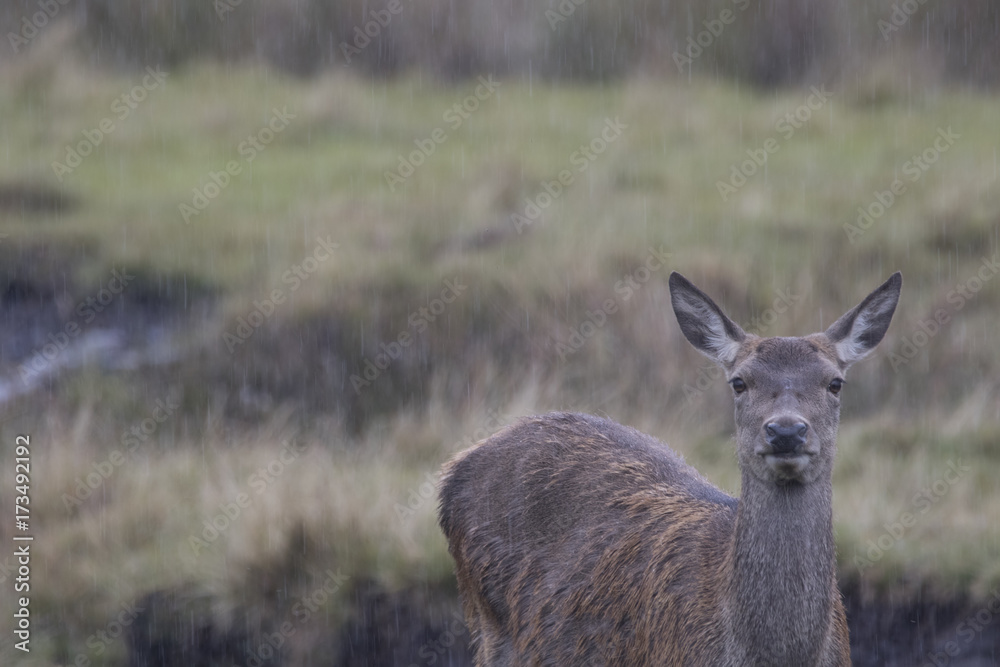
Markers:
786,437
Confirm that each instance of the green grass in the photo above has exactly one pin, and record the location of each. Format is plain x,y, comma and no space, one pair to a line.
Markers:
495,347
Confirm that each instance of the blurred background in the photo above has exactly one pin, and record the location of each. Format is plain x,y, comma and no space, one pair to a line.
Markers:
265,266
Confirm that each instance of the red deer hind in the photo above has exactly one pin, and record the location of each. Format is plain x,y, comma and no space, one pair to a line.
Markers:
578,541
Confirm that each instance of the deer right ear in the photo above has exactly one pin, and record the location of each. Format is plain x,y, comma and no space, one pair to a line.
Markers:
859,330
703,323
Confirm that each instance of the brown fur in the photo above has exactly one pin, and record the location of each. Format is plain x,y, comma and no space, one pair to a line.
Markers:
578,541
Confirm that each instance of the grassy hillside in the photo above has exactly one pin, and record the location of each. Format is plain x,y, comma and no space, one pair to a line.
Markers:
334,334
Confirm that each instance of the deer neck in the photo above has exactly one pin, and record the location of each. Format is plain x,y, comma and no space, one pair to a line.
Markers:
780,596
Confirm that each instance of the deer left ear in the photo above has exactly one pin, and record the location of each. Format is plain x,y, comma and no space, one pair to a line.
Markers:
703,323
857,333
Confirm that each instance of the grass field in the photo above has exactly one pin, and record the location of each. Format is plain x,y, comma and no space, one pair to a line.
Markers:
285,294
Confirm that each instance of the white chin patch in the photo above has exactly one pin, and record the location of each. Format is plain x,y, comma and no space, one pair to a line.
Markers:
787,467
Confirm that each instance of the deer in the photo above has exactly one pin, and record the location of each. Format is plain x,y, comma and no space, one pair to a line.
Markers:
580,541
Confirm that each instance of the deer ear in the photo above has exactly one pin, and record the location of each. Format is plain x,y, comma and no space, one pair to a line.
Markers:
703,323
859,330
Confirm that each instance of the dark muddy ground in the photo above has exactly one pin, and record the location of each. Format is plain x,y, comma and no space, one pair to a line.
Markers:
422,628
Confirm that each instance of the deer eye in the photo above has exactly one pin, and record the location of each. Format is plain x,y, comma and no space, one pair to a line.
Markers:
739,386
835,386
